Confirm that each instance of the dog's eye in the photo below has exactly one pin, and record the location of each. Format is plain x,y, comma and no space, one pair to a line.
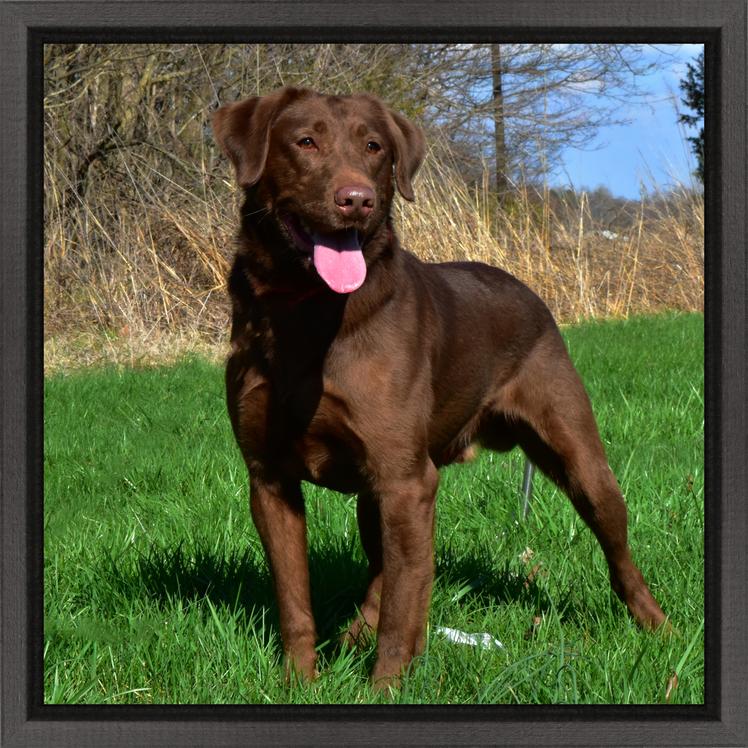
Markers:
307,143
373,146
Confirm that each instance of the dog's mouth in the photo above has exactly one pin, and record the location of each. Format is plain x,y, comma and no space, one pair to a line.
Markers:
336,255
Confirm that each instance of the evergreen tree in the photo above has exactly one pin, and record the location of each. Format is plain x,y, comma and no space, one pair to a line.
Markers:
693,88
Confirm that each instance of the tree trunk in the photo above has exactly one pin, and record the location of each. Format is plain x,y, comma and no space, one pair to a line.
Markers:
502,183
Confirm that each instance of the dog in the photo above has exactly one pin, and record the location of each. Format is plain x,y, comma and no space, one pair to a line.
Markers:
357,367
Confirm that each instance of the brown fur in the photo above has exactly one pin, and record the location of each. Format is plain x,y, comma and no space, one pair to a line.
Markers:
370,392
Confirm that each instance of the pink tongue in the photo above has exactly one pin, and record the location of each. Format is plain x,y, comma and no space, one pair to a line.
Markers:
339,260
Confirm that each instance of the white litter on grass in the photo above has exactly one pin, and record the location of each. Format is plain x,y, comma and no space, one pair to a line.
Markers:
485,641
526,555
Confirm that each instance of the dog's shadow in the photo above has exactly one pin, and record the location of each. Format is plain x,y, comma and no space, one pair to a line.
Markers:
242,582
475,577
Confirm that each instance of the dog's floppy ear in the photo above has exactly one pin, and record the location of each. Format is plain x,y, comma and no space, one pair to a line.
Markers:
242,130
410,148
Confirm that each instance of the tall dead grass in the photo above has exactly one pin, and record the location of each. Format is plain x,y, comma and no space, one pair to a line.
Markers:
579,267
135,272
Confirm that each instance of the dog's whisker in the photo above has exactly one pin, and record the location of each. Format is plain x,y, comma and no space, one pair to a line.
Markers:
259,211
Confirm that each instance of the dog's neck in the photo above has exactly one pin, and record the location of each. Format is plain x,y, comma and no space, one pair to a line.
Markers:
272,291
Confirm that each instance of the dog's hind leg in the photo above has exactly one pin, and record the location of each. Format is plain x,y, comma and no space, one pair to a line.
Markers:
555,427
369,525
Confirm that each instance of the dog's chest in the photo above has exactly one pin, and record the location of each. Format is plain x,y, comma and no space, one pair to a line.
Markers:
301,427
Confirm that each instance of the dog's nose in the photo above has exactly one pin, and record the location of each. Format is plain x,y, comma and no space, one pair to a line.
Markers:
355,201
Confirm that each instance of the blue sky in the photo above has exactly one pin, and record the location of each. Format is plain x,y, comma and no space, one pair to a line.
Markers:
651,150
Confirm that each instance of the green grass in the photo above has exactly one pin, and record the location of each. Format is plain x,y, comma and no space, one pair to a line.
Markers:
156,589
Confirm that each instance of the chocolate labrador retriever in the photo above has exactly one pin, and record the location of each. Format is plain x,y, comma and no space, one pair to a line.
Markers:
358,367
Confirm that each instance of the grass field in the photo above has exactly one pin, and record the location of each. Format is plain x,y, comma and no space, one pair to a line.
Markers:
156,589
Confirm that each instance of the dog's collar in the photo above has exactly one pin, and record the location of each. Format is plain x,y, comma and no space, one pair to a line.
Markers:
290,295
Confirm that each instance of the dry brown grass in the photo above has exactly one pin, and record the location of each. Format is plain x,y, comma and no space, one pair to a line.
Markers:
562,254
135,272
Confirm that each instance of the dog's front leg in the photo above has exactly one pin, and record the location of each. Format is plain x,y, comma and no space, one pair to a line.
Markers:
407,509
278,512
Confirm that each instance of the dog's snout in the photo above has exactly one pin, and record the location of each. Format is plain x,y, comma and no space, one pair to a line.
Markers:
355,201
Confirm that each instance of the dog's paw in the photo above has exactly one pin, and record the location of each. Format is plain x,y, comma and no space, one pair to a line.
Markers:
300,668
359,634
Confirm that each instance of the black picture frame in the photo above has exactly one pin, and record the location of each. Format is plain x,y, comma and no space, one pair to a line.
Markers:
720,25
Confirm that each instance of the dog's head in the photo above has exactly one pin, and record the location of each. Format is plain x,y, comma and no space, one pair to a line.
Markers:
323,169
